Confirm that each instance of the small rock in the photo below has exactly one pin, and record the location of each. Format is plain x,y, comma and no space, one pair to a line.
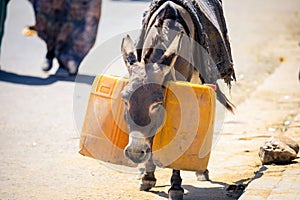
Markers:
279,150
284,129
289,141
271,129
92,173
287,122
282,59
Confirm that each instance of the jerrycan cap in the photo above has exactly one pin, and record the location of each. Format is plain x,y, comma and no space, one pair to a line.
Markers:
213,86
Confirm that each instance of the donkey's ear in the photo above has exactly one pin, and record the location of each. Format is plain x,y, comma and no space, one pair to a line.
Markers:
168,59
129,52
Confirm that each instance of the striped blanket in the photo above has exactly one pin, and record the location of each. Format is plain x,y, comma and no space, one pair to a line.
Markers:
211,34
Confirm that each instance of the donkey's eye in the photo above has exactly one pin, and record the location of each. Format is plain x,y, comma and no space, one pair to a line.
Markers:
156,106
126,103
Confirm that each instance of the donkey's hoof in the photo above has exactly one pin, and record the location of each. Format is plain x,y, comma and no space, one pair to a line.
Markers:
175,194
146,185
202,176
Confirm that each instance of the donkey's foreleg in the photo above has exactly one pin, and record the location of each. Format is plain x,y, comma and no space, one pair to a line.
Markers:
148,179
176,191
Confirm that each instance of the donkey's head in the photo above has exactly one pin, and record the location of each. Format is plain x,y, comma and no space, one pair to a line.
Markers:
143,96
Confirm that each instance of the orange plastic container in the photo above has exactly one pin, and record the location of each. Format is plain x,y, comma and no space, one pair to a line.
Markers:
184,140
104,133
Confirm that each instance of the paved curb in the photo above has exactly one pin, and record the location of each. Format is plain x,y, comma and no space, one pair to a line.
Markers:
276,182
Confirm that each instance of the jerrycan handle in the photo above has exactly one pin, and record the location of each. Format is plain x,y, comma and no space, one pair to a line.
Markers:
103,90
108,86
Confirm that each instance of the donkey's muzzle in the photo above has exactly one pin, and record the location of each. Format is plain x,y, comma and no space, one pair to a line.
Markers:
138,155
138,150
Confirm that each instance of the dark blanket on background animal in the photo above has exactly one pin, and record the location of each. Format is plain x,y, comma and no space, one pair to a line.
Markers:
211,34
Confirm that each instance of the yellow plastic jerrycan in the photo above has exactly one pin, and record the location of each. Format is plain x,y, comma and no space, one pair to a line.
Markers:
104,133
185,140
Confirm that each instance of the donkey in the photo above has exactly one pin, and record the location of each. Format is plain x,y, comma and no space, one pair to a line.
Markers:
166,54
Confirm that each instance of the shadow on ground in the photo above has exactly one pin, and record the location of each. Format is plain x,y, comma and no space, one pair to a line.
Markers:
214,193
195,193
33,80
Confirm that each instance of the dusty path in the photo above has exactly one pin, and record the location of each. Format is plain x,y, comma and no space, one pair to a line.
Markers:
39,143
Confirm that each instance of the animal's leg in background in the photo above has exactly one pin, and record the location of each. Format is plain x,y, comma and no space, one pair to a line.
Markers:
176,191
202,176
141,168
148,179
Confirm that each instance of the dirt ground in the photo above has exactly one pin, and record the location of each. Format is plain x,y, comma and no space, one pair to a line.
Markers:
39,140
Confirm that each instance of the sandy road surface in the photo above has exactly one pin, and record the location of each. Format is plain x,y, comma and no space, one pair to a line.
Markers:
39,143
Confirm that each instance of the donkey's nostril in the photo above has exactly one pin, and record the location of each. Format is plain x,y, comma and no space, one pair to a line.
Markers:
144,154
126,153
